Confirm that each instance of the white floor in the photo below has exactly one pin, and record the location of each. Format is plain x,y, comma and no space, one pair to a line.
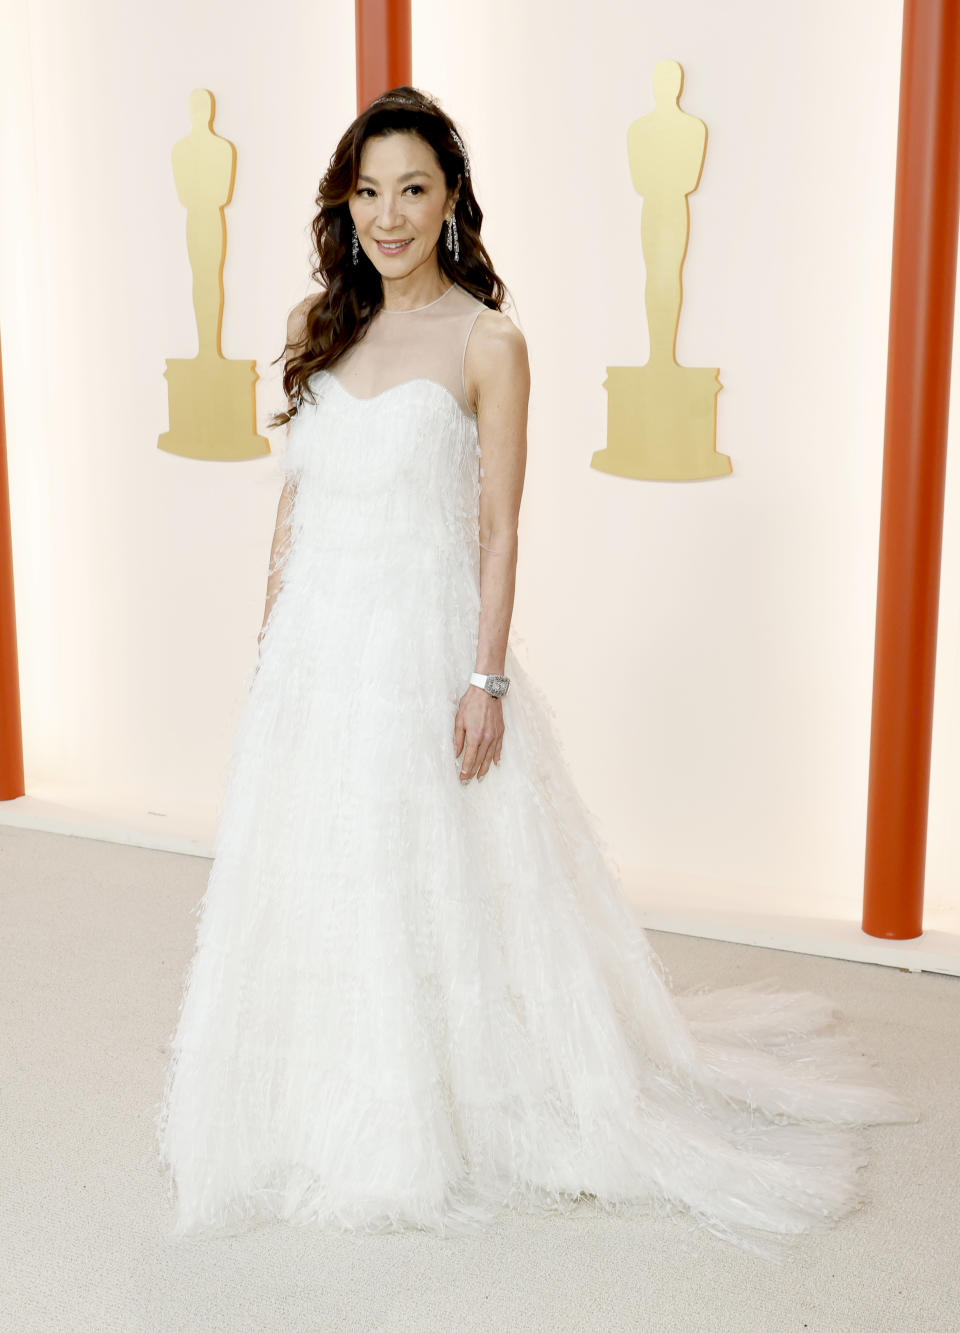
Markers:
96,939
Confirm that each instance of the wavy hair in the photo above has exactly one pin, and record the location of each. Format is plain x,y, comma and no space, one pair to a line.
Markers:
353,293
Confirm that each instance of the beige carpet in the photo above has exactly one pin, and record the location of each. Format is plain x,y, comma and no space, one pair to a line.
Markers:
96,939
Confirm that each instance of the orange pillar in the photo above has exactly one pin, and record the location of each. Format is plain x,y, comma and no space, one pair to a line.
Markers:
914,464
383,47
11,736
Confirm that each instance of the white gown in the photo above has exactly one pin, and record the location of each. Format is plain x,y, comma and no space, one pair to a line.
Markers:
415,1002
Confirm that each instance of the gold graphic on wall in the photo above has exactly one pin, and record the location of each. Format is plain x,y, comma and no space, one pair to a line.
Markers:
662,417
212,401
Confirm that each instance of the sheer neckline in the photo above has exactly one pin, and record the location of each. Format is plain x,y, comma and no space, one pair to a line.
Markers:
394,351
384,311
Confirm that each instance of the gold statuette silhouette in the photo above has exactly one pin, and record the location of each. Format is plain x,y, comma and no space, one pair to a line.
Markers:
212,401
662,417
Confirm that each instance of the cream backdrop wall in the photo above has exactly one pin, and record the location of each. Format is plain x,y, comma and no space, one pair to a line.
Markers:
707,646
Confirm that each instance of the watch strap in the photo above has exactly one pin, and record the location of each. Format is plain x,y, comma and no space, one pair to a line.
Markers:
502,683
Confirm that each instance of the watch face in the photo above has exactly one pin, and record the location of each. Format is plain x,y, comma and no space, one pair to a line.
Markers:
497,685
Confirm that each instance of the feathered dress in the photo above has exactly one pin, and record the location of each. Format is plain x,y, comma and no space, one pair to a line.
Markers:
416,1002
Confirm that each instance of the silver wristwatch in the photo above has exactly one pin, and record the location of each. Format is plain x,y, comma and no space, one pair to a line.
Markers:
495,685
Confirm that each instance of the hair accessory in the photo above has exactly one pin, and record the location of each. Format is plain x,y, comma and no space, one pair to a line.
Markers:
463,152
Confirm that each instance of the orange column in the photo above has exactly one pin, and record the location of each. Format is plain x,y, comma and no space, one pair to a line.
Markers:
383,47
11,736
914,464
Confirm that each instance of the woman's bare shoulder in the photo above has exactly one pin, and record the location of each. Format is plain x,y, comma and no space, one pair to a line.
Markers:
497,351
297,319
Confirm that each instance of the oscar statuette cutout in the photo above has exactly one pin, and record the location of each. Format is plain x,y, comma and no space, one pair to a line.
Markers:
212,402
662,417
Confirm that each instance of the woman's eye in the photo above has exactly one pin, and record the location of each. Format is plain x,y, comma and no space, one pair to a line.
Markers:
368,189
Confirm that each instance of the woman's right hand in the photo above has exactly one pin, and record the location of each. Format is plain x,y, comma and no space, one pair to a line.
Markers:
478,732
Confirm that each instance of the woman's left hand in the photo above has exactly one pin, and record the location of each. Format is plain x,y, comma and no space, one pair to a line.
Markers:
478,732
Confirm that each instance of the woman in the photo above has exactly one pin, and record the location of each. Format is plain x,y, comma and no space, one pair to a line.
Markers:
416,997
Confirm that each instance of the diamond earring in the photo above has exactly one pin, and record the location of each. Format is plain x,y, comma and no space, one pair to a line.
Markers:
453,239
356,243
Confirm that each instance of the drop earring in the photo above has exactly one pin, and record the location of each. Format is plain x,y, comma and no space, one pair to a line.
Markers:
356,242
453,239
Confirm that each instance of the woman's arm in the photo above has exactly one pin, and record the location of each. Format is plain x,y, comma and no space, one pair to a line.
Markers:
279,549
280,546
500,378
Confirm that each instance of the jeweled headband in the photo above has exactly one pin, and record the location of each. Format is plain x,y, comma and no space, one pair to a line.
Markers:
412,101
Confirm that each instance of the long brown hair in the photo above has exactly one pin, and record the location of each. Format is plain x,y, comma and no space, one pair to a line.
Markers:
353,293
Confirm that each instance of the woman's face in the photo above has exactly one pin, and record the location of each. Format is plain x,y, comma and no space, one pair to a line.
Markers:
401,195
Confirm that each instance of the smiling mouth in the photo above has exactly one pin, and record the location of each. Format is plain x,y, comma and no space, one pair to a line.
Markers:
393,247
